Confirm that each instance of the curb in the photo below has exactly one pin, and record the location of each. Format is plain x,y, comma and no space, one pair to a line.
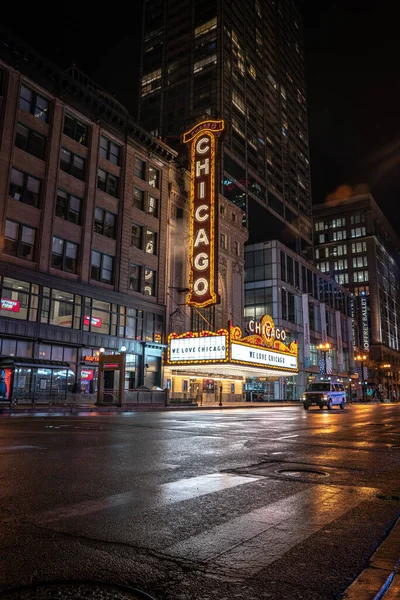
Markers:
380,579
102,409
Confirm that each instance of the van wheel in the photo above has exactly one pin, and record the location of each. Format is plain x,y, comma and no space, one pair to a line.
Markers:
329,405
342,404
306,406
321,407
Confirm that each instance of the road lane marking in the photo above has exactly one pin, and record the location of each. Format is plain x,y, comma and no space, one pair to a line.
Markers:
249,543
148,497
13,448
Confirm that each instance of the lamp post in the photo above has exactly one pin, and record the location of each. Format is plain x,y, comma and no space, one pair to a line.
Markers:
361,358
387,366
324,348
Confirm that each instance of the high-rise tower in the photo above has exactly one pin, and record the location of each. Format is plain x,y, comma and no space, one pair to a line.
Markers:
241,60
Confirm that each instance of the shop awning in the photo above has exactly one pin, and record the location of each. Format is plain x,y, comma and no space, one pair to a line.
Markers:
10,362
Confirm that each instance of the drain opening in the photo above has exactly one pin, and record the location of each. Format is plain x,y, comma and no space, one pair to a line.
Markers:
395,496
299,473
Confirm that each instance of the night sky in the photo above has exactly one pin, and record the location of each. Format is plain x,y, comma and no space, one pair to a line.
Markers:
352,76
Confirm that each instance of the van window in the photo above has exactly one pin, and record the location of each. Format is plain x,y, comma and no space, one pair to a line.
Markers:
318,387
341,387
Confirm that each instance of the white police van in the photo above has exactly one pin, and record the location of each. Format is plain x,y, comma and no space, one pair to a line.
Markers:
324,393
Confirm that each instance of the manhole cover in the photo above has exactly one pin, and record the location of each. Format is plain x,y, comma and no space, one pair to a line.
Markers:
76,591
302,473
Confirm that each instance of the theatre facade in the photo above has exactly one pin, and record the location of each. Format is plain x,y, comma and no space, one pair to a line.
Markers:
208,357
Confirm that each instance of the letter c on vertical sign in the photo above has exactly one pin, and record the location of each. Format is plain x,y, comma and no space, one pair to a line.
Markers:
198,214
203,145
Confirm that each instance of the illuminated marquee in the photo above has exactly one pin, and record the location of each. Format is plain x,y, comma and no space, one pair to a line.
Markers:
264,348
198,347
203,272
205,347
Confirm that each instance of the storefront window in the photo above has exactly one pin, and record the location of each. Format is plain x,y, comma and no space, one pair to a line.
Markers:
19,299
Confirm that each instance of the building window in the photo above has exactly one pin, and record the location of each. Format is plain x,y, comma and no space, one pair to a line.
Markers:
338,222
68,207
237,249
19,300
72,163
136,236
30,141
223,241
151,242
205,28
149,282
284,303
360,261
102,267
64,255
179,212
61,308
321,239
152,205
358,232
360,276
19,240
109,150
323,266
204,62
130,323
100,317
34,103
342,278
107,183
76,130
356,219
140,169
24,187
138,198
339,235
105,223
320,226
154,177
340,265
135,277
151,82
359,247
339,250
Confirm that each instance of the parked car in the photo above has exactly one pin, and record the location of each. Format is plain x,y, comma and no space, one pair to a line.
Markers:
324,393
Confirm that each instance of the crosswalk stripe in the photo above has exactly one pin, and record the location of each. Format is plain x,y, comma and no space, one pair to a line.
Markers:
246,544
148,497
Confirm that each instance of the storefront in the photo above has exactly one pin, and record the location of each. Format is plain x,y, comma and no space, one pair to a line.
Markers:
206,365
34,380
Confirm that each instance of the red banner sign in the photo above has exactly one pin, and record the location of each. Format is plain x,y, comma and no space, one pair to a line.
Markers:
203,273
95,321
11,305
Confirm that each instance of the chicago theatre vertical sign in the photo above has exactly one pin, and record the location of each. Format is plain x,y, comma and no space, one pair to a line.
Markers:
203,270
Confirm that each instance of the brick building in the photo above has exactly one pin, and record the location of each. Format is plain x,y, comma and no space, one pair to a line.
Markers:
83,203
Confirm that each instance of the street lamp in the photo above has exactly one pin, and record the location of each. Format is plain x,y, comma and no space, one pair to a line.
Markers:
324,347
387,366
361,358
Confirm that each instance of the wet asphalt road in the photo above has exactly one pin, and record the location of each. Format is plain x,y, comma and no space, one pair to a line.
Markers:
273,502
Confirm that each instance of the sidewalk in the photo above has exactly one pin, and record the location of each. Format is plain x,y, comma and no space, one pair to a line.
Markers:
81,407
